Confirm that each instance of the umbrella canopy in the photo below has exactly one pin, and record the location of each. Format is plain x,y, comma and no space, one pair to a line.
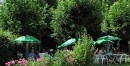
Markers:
68,42
27,39
103,41
110,38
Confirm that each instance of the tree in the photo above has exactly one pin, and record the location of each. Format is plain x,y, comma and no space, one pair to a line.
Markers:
52,3
109,2
72,16
117,20
24,17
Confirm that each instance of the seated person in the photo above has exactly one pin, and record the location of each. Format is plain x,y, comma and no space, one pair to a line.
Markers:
42,55
19,55
100,51
112,50
37,55
32,55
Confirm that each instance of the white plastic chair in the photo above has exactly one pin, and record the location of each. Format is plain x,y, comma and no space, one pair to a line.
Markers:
103,59
97,59
123,57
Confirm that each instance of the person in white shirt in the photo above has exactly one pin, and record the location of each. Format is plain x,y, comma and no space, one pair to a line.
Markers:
100,51
42,55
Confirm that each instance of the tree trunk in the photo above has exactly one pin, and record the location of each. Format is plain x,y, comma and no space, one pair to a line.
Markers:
129,44
40,45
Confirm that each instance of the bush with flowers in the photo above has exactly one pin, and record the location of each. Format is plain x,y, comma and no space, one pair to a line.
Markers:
20,62
46,61
37,62
24,62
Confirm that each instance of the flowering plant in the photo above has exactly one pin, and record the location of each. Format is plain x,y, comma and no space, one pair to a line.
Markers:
24,62
10,63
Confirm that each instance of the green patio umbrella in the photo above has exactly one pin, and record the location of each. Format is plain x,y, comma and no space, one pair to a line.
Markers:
59,47
68,42
109,38
27,39
103,41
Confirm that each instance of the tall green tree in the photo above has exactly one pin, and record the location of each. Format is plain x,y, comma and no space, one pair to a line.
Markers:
72,16
52,3
117,19
24,16
109,2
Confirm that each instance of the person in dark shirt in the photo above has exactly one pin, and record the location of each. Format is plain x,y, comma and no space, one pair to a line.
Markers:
19,55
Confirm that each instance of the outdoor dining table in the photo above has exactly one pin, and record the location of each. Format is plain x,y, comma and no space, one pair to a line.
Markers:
114,58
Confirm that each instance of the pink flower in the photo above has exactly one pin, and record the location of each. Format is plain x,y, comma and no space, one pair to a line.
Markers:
20,62
40,60
23,62
7,64
12,62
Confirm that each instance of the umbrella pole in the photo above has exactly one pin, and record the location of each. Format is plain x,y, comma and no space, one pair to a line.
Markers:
26,51
118,46
39,48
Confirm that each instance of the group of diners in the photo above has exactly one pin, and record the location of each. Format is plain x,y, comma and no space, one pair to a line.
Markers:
109,55
33,55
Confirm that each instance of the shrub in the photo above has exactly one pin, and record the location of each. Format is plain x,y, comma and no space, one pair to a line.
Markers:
83,51
6,46
60,59
48,61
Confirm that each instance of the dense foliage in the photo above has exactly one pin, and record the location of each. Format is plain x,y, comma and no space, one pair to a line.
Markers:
72,16
60,59
6,46
24,17
83,51
117,19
